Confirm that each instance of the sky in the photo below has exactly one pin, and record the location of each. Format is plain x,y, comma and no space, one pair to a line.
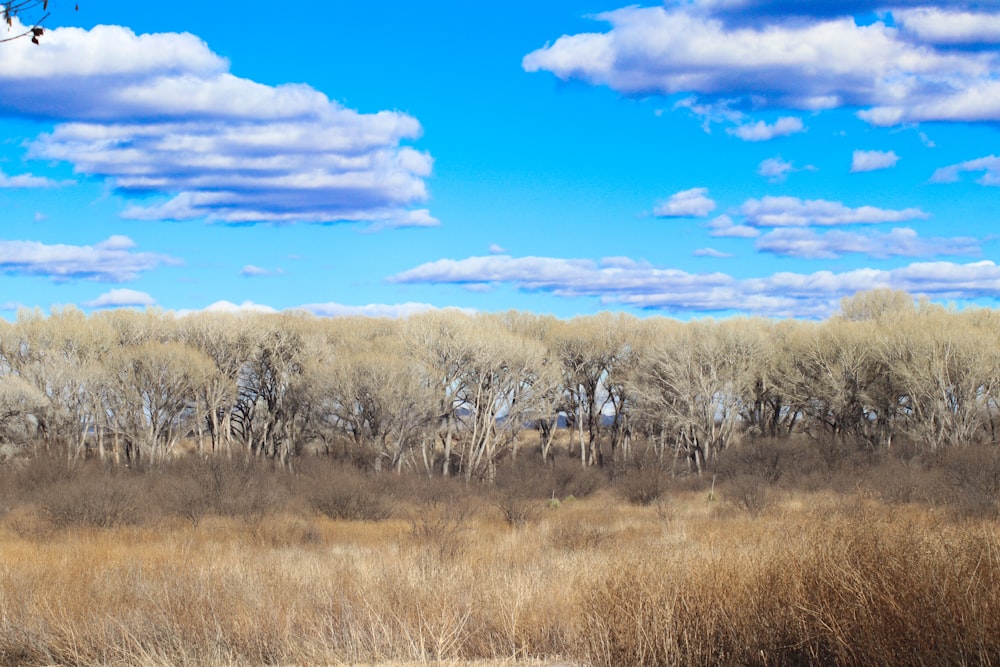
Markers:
693,158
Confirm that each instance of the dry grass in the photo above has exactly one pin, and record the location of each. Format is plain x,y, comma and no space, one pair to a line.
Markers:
808,579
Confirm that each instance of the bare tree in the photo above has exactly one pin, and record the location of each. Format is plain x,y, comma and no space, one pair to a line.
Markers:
24,18
588,348
19,401
155,386
366,385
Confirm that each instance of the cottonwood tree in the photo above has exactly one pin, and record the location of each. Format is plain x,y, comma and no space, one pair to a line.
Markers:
778,402
264,412
226,339
693,384
950,373
59,355
19,401
153,388
350,371
588,349
442,352
767,409
379,399
501,388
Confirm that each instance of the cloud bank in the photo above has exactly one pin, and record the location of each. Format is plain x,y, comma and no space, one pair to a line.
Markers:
622,282
113,260
693,203
750,55
161,116
873,160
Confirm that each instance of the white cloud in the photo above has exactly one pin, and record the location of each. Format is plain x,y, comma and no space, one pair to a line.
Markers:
109,261
725,226
637,284
791,55
989,165
230,307
118,298
496,249
691,203
330,309
873,160
251,271
775,169
761,131
711,252
399,310
900,242
161,114
941,26
795,212
24,181
720,111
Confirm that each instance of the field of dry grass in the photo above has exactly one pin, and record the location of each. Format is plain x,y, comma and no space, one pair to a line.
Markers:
810,578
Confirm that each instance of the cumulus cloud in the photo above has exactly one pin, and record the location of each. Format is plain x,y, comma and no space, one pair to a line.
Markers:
725,226
251,271
795,212
624,282
793,55
112,260
900,242
235,308
119,298
989,165
693,203
949,27
743,12
496,249
25,181
761,131
162,115
711,252
873,160
775,169
329,309
394,311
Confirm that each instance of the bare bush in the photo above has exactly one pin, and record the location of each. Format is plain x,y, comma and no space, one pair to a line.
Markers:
104,501
577,534
749,493
345,494
644,485
440,526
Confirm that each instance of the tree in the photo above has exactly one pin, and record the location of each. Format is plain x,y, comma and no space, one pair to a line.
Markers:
502,386
693,385
362,384
225,338
154,389
15,10
949,367
264,413
588,349
439,339
18,402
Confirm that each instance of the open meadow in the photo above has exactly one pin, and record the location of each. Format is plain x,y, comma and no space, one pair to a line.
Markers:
247,565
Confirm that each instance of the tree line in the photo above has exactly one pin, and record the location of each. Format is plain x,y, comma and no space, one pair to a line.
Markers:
448,393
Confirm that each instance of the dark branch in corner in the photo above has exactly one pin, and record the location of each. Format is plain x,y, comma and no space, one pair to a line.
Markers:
10,10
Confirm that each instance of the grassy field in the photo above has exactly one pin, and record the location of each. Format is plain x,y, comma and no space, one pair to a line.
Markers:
692,579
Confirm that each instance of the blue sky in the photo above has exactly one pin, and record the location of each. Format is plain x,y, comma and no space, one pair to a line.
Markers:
699,157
